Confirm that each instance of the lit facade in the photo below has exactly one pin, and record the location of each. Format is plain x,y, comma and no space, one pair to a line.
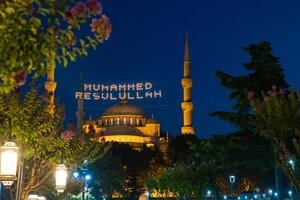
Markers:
125,123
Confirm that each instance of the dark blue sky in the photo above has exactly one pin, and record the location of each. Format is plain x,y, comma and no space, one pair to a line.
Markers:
147,44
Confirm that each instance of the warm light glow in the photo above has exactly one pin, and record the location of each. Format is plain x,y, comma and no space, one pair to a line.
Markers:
36,197
9,161
61,175
33,197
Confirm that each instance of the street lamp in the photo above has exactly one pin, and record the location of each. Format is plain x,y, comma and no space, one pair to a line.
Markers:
8,163
33,197
61,176
231,181
208,194
292,163
75,174
36,197
270,192
88,177
82,174
291,194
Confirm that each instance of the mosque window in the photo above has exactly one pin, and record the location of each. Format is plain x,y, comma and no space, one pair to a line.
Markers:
111,121
131,121
124,120
105,122
118,121
137,121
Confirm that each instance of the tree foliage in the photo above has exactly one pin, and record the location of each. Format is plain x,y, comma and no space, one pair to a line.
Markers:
37,33
37,134
209,162
264,71
122,171
277,118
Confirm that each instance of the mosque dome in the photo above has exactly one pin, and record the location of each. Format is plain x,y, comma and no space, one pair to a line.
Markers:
152,121
124,108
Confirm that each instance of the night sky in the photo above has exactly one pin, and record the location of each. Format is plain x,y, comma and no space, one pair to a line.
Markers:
147,44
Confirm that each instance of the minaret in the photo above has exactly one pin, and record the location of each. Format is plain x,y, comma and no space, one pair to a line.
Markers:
50,86
187,104
80,113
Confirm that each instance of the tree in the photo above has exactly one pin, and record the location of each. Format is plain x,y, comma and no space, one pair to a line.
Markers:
109,175
181,182
211,161
179,148
122,171
36,34
37,134
277,119
265,71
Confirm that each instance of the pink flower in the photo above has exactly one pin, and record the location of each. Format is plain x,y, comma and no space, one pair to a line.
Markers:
102,27
94,7
68,135
79,10
250,95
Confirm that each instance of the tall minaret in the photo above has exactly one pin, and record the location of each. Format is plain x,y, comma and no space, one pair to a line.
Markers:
186,82
50,86
80,113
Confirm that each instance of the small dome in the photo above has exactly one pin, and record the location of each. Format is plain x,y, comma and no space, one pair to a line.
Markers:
90,122
123,130
124,108
151,121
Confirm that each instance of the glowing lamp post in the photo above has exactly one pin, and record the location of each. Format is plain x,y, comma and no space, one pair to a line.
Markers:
8,163
61,175
36,197
231,181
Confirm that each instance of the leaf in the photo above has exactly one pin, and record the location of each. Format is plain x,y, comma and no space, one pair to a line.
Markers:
82,42
36,22
33,31
65,61
10,10
2,26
